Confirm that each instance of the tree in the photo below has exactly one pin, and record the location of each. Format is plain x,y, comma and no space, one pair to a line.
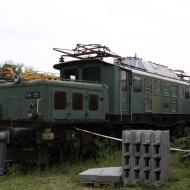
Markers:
17,68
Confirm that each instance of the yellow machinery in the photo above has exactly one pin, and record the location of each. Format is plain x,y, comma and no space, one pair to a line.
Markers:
35,75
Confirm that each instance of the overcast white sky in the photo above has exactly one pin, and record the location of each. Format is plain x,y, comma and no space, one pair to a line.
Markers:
157,30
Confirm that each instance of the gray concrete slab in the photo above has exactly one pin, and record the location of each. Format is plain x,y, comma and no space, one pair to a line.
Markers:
108,175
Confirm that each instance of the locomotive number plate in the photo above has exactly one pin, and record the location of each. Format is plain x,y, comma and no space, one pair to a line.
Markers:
32,95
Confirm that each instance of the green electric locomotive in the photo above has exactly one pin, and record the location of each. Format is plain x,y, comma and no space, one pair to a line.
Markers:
94,94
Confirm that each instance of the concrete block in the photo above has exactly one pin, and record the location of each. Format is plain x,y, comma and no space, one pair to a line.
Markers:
137,175
136,149
146,136
146,163
136,136
102,175
157,177
127,161
159,150
146,156
146,143
132,175
127,136
146,175
127,149
137,162
160,163
161,137
127,174
146,149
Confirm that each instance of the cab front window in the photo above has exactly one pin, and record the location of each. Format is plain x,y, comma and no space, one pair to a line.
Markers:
91,74
70,73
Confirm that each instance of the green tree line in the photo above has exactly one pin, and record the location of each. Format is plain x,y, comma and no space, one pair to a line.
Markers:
18,68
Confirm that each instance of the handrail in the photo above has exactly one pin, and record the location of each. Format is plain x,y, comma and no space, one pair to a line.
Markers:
38,103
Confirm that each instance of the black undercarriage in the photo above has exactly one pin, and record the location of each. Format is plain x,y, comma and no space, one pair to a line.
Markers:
44,141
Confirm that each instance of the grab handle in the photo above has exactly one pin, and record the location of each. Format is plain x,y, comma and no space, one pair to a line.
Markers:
38,105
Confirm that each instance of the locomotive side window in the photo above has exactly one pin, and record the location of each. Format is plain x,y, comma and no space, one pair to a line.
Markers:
77,101
148,103
123,80
166,104
166,90
174,91
187,93
148,85
156,87
93,103
181,92
91,74
60,100
137,84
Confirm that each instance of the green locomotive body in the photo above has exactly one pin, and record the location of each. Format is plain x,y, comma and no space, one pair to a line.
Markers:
42,115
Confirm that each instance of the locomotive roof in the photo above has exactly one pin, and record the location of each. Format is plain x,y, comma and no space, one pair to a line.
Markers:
134,64
89,53
65,83
60,66
150,67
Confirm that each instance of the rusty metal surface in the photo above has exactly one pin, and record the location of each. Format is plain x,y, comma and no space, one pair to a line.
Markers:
149,67
86,51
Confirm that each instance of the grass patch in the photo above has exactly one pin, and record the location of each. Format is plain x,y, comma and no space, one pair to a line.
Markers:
62,177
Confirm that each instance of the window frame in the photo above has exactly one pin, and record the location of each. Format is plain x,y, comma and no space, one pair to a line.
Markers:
187,92
138,90
148,85
98,73
166,89
176,89
123,80
73,72
181,93
93,105
75,101
166,104
156,87
57,106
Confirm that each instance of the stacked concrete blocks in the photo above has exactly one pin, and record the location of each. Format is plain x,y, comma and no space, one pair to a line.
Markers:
145,156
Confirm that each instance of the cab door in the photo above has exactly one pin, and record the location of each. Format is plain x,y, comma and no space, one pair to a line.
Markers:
60,104
125,92
78,105
95,105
